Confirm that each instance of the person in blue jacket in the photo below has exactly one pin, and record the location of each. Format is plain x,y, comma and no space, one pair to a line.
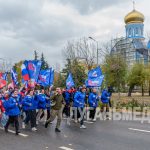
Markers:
67,97
105,98
93,103
41,106
12,110
79,104
30,104
48,102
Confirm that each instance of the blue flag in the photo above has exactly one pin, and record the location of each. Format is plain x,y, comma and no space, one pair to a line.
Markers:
69,81
33,67
44,77
94,73
95,78
51,81
14,77
95,82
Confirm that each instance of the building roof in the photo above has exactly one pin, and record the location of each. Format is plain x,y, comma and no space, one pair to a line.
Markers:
134,17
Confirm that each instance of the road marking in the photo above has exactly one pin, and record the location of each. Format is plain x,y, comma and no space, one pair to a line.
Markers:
146,131
89,122
11,131
65,148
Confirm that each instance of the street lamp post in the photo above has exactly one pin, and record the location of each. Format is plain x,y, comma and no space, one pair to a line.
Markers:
96,48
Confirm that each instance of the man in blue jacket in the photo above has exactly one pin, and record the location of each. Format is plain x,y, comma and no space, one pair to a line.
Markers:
79,104
93,103
12,110
105,98
67,97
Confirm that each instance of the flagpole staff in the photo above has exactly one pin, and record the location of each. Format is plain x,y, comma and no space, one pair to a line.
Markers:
96,48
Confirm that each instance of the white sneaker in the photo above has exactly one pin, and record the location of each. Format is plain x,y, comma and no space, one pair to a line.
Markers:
108,118
34,129
75,121
94,120
83,127
23,125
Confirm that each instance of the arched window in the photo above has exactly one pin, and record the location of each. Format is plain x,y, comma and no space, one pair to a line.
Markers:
136,31
130,31
141,30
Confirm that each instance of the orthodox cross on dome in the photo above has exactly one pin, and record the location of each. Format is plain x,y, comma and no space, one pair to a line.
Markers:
133,5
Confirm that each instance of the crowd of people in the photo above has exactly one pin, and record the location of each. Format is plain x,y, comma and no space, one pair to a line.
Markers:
33,106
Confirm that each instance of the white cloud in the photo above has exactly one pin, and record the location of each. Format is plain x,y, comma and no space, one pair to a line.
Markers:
47,25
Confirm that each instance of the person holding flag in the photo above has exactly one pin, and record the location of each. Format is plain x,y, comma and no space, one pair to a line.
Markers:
68,96
30,104
41,106
79,105
105,98
12,110
93,103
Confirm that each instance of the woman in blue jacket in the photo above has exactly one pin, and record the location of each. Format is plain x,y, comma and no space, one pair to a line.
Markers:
105,98
41,106
12,110
93,103
79,104
30,104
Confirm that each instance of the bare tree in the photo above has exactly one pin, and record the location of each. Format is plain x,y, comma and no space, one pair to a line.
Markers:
81,50
69,51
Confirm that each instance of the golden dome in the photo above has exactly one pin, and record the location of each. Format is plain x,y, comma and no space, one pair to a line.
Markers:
134,17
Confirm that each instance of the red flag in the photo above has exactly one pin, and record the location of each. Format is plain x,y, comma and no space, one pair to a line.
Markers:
3,83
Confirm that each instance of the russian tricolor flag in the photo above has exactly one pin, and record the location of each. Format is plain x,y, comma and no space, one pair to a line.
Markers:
14,77
25,74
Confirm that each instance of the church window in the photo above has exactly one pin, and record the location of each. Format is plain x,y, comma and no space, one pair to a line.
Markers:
130,32
136,31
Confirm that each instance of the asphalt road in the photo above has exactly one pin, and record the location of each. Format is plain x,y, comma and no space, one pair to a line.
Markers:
102,135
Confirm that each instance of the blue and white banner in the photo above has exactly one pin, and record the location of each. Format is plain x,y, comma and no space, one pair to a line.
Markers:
95,78
95,82
94,73
44,77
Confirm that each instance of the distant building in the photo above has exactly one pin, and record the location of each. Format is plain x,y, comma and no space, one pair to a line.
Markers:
133,47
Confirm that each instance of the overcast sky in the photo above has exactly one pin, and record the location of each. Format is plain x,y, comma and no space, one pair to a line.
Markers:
47,25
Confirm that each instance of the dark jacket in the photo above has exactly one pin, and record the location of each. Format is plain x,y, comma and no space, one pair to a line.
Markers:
59,100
